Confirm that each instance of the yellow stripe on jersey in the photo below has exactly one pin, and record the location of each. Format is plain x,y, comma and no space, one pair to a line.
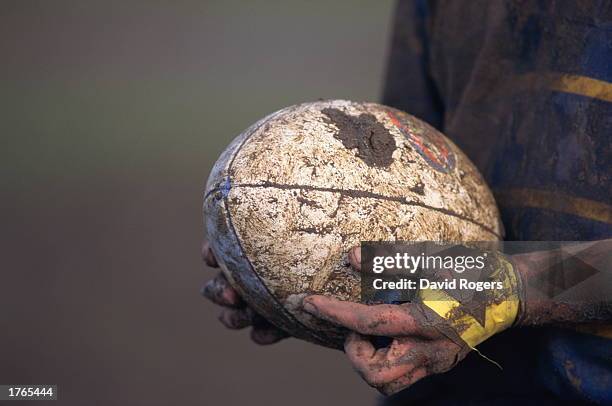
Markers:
582,85
554,201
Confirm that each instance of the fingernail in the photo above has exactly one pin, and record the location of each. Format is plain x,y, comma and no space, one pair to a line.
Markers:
356,254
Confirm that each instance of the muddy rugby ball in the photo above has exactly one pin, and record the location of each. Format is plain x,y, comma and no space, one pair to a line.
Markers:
295,191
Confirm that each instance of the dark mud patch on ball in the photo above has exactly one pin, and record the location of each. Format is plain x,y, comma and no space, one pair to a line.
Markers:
419,188
308,202
374,143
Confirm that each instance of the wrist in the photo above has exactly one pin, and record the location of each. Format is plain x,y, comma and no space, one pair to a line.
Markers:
534,309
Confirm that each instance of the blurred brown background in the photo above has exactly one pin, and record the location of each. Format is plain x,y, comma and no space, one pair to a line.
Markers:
112,114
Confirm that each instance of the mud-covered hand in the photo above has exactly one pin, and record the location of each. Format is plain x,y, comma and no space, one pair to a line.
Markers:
236,314
428,336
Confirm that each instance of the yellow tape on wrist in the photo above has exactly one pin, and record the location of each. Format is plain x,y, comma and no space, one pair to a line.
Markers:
500,313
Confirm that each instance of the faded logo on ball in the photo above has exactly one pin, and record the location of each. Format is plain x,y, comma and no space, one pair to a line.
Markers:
430,145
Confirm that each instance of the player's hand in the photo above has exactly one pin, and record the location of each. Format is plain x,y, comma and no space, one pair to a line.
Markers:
236,314
418,349
423,342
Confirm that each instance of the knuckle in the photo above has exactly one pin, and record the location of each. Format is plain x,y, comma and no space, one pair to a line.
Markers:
445,358
230,296
266,336
391,389
234,319
387,390
221,293
208,290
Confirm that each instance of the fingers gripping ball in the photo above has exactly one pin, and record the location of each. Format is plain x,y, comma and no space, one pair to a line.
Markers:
293,193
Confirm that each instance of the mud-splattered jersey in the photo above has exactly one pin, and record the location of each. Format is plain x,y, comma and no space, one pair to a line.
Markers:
525,89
